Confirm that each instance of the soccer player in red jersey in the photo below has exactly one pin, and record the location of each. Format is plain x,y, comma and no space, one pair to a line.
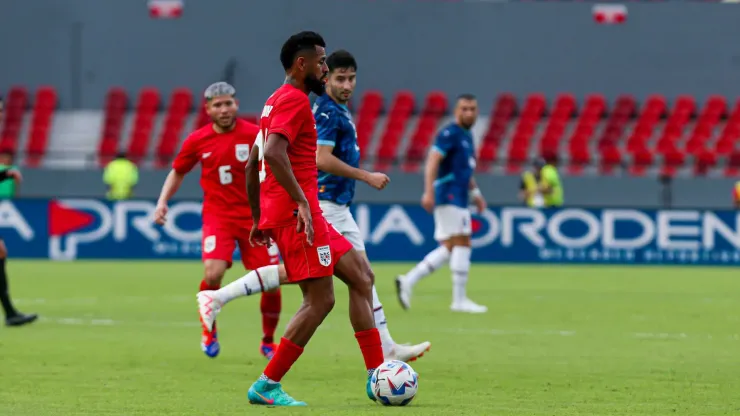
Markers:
283,192
222,148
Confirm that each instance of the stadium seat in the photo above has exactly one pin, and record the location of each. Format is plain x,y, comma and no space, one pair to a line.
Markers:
435,107
181,103
146,111
16,104
399,115
704,161
611,159
116,103
367,115
45,103
504,108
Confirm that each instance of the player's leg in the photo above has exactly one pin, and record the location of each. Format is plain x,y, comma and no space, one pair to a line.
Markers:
217,251
12,316
341,219
271,300
432,261
356,273
301,261
460,263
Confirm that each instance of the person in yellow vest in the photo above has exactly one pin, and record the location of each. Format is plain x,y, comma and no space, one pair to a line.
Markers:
736,195
8,188
121,176
541,187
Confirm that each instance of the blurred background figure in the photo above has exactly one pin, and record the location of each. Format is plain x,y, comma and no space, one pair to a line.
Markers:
8,188
121,176
541,186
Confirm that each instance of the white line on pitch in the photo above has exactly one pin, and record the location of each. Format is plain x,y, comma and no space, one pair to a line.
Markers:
481,331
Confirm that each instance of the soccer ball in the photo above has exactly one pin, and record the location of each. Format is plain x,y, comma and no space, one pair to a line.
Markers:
394,383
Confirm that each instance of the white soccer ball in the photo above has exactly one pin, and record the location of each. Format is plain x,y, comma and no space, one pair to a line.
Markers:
394,383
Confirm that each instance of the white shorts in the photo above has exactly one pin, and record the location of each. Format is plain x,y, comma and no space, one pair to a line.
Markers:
340,217
451,221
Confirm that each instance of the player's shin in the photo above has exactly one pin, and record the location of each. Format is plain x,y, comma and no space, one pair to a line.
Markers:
460,267
382,324
257,281
432,261
270,306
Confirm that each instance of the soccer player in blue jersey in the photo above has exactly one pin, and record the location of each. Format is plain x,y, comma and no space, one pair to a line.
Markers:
338,160
448,187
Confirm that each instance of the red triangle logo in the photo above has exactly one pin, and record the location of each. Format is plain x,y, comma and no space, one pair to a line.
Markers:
64,220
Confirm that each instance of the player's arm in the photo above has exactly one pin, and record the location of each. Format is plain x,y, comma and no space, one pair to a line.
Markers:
477,195
14,174
184,163
327,130
253,182
276,157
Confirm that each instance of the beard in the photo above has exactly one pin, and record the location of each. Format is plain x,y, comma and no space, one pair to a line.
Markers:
315,85
223,124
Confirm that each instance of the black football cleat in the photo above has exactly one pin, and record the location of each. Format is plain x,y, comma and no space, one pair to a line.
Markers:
21,319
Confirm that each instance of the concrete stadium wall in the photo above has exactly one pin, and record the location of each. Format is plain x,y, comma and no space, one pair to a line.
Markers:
709,193
85,46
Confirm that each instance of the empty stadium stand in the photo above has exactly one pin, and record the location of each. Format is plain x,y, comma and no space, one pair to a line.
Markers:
585,135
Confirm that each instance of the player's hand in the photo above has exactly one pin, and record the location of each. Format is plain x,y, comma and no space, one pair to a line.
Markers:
305,221
427,201
480,203
258,237
15,174
160,214
378,180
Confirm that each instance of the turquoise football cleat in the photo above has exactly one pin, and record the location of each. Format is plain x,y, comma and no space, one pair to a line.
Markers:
369,387
270,394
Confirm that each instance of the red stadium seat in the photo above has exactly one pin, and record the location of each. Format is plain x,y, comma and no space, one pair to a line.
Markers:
43,110
400,113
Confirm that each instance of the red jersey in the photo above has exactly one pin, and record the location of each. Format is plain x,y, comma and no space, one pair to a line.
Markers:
288,112
223,158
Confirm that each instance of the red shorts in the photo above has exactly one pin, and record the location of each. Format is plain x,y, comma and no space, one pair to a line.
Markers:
303,261
220,238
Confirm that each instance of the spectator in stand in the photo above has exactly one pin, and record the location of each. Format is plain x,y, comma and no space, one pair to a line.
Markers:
736,195
121,176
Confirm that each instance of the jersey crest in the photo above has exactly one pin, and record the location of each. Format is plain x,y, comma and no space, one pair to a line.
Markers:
242,152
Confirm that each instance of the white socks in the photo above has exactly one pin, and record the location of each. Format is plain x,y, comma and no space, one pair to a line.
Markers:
431,262
382,324
460,265
257,281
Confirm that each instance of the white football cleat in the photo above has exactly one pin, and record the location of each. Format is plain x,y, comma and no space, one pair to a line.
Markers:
408,353
403,291
468,306
208,308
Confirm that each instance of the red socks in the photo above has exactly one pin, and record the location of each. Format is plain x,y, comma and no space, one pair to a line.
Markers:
270,306
205,286
371,346
287,353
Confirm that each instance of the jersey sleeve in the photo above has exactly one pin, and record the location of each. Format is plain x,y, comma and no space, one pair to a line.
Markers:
327,127
444,142
286,119
186,158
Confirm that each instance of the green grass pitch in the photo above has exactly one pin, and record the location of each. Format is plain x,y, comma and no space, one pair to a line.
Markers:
122,338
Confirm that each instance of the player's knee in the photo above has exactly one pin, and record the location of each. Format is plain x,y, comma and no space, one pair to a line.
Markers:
214,274
324,304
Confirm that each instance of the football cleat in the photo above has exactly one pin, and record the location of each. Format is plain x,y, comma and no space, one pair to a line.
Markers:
270,394
268,350
408,353
403,291
208,309
369,387
468,306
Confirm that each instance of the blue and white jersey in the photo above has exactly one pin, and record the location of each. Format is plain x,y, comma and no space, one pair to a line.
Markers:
452,186
335,128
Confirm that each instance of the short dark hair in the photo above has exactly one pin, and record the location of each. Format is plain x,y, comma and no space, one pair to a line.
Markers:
467,97
341,59
298,43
